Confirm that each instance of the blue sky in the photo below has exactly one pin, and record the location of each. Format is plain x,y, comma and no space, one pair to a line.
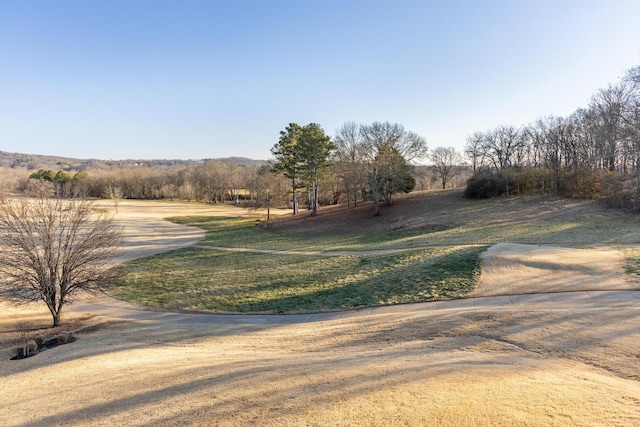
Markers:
184,79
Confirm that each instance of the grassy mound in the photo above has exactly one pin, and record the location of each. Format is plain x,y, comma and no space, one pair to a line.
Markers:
437,236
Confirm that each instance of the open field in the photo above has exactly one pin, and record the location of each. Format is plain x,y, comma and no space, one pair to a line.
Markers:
538,364
424,248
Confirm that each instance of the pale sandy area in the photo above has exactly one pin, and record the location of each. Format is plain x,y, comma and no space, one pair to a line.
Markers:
146,234
513,269
555,364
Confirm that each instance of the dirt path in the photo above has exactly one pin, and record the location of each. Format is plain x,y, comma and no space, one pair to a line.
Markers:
538,364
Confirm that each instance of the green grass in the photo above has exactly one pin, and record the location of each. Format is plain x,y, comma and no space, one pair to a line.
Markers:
441,233
206,279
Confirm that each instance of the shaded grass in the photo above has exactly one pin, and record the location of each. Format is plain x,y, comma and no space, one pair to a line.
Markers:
203,279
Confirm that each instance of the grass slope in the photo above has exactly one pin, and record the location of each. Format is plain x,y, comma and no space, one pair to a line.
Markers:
441,235
254,282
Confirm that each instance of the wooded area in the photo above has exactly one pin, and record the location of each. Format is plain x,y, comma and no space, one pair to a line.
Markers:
373,163
595,152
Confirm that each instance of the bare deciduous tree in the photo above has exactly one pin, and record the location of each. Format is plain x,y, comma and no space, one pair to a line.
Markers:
388,150
503,147
348,160
52,249
115,193
445,159
473,150
609,106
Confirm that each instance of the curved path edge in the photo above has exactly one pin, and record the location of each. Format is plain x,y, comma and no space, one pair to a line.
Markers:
168,236
529,300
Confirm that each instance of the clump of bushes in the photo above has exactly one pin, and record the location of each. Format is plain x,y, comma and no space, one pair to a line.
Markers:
612,188
511,181
484,185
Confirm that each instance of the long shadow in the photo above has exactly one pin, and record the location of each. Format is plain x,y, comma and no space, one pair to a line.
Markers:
379,287
356,356
580,333
161,332
351,382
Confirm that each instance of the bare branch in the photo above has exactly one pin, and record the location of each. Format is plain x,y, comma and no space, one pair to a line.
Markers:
52,248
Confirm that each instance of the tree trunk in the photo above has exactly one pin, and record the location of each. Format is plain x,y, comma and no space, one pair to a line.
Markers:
56,316
295,196
355,196
376,207
314,200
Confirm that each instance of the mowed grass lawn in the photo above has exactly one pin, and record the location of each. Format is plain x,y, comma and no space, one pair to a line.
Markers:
440,234
255,282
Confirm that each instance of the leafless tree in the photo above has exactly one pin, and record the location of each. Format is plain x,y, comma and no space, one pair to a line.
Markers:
388,150
633,75
115,193
348,160
234,179
473,150
609,106
269,189
52,249
503,147
208,181
584,125
444,160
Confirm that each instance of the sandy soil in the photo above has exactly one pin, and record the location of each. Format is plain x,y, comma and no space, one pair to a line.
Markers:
553,364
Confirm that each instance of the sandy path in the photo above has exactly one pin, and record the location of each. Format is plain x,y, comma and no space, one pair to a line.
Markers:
562,364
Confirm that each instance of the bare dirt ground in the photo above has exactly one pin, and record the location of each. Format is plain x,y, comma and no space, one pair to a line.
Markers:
555,364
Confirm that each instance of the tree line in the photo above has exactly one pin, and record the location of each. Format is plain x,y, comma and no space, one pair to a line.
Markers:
594,152
363,162
360,162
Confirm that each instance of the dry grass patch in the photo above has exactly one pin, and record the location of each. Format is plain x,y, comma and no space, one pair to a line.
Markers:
570,366
33,322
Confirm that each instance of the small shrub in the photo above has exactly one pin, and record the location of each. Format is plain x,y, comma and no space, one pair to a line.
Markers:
582,183
484,185
62,337
39,339
530,180
30,347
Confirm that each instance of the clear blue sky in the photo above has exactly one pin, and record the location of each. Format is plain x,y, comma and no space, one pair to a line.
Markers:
182,79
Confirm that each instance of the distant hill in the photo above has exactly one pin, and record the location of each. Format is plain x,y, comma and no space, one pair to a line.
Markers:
38,161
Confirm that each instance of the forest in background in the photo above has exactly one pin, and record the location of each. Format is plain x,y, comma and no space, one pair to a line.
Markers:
593,153
231,180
